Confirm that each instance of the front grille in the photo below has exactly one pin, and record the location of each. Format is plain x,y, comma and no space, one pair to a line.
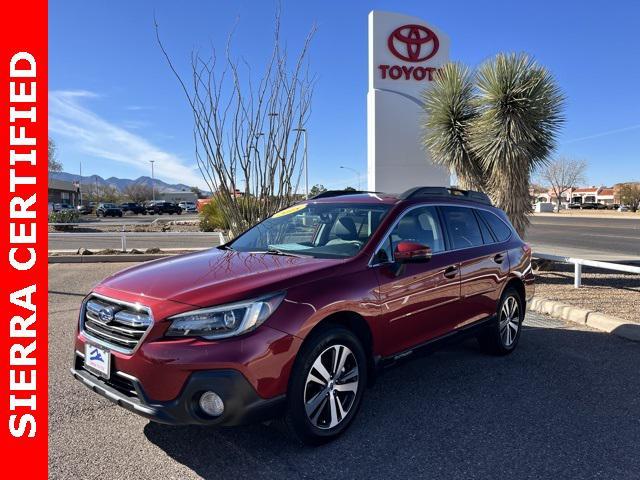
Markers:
114,324
120,381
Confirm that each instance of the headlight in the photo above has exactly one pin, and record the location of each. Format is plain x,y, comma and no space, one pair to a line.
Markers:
225,320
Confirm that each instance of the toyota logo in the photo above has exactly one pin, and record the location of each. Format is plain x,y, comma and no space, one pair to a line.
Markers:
413,43
106,315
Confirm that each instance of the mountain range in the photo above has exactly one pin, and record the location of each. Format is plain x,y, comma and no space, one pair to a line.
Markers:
119,183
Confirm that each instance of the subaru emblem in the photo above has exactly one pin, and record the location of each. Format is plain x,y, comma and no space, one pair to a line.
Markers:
106,315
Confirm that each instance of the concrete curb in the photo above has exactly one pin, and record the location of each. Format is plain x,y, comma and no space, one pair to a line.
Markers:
599,321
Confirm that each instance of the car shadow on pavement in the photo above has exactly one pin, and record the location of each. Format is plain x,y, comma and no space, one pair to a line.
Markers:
566,404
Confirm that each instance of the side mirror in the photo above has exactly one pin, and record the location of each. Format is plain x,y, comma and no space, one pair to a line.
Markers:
411,252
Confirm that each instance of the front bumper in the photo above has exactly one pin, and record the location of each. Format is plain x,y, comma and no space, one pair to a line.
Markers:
242,404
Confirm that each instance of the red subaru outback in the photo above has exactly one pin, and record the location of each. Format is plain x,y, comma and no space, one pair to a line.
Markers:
296,315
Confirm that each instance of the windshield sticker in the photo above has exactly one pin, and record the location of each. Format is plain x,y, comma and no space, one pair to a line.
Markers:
290,210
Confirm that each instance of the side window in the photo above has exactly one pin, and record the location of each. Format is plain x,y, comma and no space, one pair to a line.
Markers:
462,226
420,225
500,229
487,235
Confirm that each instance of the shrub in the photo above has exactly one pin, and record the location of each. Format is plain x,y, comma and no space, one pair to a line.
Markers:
212,218
65,216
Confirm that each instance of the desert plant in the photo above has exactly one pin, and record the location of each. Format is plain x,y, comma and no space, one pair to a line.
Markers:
248,128
212,217
503,122
64,216
451,109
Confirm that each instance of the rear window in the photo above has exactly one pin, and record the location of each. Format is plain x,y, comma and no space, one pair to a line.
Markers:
500,229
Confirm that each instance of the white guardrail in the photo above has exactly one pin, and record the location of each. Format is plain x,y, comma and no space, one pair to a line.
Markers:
579,262
123,234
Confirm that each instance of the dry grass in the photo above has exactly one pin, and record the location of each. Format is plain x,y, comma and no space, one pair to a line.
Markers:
613,293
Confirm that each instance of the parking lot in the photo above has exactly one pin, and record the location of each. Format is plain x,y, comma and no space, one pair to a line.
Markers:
565,405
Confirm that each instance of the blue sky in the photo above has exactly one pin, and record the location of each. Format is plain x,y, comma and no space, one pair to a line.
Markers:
114,103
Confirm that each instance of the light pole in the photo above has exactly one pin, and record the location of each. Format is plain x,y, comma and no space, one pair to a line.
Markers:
80,184
306,163
153,182
356,172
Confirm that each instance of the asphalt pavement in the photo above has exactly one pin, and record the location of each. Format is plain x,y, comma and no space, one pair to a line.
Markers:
566,404
609,239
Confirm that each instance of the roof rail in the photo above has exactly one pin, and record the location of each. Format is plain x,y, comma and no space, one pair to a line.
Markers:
338,193
450,192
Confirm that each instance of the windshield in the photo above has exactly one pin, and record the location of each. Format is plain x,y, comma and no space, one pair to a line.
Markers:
323,230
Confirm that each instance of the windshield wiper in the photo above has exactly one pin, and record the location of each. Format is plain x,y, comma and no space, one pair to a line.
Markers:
226,247
277,251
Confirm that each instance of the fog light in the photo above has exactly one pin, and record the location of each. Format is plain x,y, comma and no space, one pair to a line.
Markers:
211,404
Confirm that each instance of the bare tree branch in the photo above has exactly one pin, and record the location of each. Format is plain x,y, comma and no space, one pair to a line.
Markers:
246,143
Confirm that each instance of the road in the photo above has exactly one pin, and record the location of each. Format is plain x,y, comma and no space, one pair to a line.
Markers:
566,404
594,238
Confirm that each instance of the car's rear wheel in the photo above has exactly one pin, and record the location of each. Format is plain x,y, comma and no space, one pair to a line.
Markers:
327,385
502,336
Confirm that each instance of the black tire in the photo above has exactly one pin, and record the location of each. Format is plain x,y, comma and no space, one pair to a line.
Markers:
501,336
326,344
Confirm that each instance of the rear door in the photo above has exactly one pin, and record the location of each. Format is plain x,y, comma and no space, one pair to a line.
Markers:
484,264
418,300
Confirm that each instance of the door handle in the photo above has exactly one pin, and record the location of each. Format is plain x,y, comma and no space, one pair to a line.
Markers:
499,258
451,272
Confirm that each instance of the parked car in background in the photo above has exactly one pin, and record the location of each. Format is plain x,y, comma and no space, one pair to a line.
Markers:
108,210
297,314
85,209
613,206
623,208
59,207
133,207
574,206
158,207
189,207
593,206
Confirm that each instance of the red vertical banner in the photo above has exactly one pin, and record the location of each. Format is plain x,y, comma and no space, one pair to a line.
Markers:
23,284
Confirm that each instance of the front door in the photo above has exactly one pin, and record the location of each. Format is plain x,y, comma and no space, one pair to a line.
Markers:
418,300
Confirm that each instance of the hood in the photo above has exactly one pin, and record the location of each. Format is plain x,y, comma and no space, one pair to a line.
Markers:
216,276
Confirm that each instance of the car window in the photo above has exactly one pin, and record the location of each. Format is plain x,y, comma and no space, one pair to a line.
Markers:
487,235
462,226
500,229
322,230
419,225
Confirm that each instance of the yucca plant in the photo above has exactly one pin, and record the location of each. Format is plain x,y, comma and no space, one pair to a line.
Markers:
505,120
451,109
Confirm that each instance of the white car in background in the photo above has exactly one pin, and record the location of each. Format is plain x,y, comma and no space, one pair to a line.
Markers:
188,207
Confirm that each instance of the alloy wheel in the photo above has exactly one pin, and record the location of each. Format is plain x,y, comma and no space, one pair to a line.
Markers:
509,321
331,387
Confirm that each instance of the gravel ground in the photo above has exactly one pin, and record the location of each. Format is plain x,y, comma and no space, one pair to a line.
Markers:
616,294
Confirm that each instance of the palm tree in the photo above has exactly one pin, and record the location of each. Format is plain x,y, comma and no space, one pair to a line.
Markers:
507,121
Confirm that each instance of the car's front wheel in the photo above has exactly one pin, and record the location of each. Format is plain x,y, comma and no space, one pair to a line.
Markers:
502,336
327,385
